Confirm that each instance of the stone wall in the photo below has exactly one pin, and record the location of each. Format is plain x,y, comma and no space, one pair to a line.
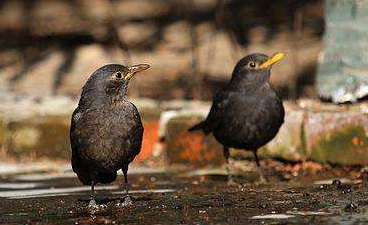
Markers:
343,68
50,47
33,129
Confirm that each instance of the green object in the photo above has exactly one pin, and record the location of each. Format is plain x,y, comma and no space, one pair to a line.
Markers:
342,74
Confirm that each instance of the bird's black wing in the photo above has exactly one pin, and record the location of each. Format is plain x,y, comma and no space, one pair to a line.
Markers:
76,145
215,115
74,141
136,134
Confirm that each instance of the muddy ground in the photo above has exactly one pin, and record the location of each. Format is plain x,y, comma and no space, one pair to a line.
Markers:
329,196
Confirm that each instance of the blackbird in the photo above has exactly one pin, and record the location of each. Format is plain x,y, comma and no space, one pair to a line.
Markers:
247,113
106,129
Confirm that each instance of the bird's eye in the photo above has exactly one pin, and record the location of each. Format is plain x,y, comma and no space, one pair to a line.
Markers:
118,75
252,64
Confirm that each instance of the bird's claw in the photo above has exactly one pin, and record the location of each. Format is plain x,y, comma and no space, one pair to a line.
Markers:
126,201
261,180
231,182
93,207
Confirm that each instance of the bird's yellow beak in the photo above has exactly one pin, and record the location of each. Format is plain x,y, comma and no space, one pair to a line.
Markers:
135,69
272,60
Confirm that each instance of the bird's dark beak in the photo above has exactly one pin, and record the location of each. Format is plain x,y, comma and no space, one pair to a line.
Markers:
132,70
272,60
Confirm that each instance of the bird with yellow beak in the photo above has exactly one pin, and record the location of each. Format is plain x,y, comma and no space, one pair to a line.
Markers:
106,129
247,113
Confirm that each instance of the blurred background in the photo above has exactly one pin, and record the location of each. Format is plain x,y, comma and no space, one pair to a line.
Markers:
50,47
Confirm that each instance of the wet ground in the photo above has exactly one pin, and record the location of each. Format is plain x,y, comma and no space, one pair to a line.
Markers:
199,197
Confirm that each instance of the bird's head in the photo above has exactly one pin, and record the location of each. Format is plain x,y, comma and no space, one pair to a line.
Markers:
112,79
256,67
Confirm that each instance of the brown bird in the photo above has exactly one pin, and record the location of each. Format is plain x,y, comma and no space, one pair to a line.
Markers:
247,113
106,129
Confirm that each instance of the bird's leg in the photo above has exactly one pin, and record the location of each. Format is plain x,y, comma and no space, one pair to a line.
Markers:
92,201
127,200
230,180
92,206
262,179
126,184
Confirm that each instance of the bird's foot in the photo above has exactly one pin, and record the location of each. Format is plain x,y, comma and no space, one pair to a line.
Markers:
231,182
261,180
124,202
93,207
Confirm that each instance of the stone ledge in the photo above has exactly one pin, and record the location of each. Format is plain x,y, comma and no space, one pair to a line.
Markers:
32,129
338,137
312,130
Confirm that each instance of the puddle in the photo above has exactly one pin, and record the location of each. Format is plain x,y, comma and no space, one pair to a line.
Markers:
143,170
207,172
309,213
50,192
331,181
42,195
152,191
272,216
70,174
19,185
21,194
182,198
31,167
43,176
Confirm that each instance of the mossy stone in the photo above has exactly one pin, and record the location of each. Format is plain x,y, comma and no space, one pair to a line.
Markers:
39,137
348,146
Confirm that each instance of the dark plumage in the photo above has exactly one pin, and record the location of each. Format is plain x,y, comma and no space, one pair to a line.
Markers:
106,129
247,113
